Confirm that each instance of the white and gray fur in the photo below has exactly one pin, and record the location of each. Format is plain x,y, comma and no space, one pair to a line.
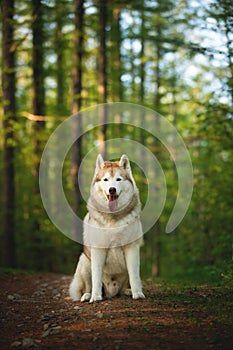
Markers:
112,236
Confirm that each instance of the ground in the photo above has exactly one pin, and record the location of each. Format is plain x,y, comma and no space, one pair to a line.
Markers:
37,312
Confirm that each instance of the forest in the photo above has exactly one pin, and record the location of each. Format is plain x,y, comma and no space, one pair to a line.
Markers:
175,57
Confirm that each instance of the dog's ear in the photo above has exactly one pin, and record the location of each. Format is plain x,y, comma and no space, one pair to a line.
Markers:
124,162
99,162
99,165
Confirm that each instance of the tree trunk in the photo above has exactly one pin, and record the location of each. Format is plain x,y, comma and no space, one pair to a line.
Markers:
9,109
142,90
59,48
156,253
116,68
76,153
228,33
38,90
102,76
38,107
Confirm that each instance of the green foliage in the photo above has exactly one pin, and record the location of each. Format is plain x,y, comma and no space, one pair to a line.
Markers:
159,53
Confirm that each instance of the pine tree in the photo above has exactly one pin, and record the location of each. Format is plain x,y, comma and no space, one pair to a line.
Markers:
77,81
9,108
102,75
38,107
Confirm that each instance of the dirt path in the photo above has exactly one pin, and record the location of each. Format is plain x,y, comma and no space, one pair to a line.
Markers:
36,312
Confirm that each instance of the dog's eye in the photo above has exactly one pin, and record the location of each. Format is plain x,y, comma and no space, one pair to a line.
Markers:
105,179
118,179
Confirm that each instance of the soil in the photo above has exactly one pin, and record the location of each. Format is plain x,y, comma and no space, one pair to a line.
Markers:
36,312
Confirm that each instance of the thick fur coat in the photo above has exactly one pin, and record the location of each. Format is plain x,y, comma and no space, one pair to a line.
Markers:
110,262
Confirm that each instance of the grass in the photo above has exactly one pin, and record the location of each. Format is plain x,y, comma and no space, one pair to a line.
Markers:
213,298
13,271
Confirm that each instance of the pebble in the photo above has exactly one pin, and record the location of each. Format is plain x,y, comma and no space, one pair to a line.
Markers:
16,344
65,278
55,291
46,326
53,330
47,317
46,333
77,308
14,296
26,343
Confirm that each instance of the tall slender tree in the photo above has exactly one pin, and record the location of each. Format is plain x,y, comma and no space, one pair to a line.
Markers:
59,49
142,84
115,65
38,108
76,154
115,55
159,27
221,11
9,109
38,88
102,75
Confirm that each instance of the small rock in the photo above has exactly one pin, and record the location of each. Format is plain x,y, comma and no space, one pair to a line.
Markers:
13,296
46,333
38,293
53,324
29,342
44,285
53,329
77,308
57,296
47,317
65,278
67,318
16,344
55,291
46,326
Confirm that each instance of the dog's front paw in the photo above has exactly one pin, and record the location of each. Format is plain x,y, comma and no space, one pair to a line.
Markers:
127,292
95,298
86,297
138,295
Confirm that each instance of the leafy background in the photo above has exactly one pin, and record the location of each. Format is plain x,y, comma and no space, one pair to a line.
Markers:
172,56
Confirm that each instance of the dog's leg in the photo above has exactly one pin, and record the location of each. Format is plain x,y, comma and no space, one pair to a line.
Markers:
78,282
87,295
98,257
132,258
75,289
80,287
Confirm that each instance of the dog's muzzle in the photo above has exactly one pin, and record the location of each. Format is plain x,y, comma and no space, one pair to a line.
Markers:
112,199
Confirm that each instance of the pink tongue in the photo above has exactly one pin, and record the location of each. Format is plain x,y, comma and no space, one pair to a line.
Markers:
112,203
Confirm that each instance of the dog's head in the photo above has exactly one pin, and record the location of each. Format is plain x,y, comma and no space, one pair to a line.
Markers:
113,183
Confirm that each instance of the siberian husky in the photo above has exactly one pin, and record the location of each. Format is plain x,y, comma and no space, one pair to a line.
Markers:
110,262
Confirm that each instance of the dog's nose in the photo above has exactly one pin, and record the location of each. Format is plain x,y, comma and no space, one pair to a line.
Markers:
112,190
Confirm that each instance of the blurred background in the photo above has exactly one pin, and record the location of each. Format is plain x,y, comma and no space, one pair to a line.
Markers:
62,56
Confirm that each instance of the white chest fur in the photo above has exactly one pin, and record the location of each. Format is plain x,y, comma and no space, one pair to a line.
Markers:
115,261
